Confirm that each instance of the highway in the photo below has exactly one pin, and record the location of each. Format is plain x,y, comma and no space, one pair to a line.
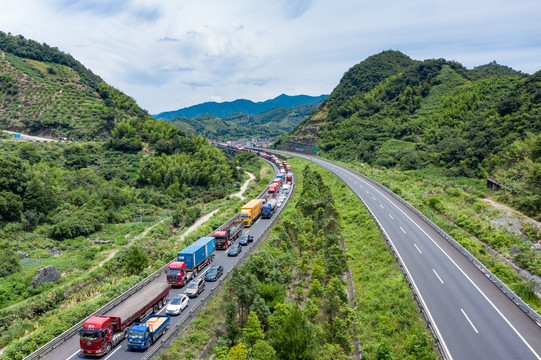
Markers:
470,315
69,350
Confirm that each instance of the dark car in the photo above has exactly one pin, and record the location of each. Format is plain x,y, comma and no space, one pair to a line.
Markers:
214,273
245,239
235,250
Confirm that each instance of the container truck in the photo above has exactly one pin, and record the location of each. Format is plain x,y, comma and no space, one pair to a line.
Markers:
250,212
101,333
198,255
224,238
268,209
177,275
142,336
278,181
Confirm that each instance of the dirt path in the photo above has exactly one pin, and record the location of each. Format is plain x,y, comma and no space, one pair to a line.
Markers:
511,213
244,187
114,252
203,219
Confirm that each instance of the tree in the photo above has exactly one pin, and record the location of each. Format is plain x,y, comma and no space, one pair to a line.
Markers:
238,352
292,335
261,310
263,351
136,261
38,196
11,206
332,352
252,332
13,174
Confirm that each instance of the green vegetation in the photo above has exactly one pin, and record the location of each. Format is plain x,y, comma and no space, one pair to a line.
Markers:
457,206
56,198
272,123
45,91
391,111
289,301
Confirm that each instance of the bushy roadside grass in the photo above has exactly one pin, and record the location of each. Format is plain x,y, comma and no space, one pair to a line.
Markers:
456,206
37,319
387,319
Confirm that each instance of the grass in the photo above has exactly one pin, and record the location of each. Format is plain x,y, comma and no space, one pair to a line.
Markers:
40,315
387,318
456,206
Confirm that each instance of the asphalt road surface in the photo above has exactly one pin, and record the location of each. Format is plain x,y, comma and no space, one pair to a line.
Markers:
473,318
69,350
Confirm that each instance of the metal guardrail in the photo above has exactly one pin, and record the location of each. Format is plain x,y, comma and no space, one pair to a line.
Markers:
60,339
169,337
532,314
67,334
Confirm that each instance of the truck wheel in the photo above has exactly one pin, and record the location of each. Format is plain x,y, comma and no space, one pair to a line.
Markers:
108,348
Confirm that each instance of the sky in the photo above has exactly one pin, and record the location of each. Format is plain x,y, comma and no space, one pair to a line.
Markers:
171,54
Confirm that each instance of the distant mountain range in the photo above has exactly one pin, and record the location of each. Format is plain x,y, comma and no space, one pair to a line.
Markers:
247,107
269,124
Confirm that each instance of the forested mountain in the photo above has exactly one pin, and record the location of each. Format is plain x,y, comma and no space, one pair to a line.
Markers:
390,110
271,123
44,91
227,108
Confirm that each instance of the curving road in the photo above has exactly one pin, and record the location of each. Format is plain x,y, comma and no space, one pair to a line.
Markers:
470,315
69,350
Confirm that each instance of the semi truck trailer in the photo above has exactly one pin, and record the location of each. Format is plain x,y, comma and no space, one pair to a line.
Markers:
225,237
101,333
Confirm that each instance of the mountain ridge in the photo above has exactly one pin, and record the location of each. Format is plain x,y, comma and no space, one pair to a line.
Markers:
248,107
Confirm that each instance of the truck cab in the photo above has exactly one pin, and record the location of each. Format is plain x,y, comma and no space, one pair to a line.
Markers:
222,239
96,336
177,274
272,190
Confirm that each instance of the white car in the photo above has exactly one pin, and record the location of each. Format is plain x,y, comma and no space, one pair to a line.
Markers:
282,198
176,305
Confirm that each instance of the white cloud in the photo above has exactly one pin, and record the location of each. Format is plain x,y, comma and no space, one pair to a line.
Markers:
174,54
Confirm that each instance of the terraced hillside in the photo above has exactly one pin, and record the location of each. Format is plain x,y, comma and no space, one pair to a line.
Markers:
44,91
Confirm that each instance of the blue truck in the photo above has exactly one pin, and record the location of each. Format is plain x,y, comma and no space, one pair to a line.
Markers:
199,254
268,209
141,336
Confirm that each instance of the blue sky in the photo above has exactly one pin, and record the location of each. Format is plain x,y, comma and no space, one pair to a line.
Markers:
176,53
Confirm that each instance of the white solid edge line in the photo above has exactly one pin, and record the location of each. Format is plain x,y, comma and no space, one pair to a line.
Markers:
427,310
111,354
75,353
474,328
462,271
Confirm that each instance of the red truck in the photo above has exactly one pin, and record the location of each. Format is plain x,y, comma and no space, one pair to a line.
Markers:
272,190
277,181
289,178
177,274
225,237
101,333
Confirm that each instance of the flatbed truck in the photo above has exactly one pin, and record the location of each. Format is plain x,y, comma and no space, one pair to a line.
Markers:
143,335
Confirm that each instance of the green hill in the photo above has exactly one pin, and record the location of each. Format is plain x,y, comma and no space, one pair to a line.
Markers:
271,123
392,111
44,91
